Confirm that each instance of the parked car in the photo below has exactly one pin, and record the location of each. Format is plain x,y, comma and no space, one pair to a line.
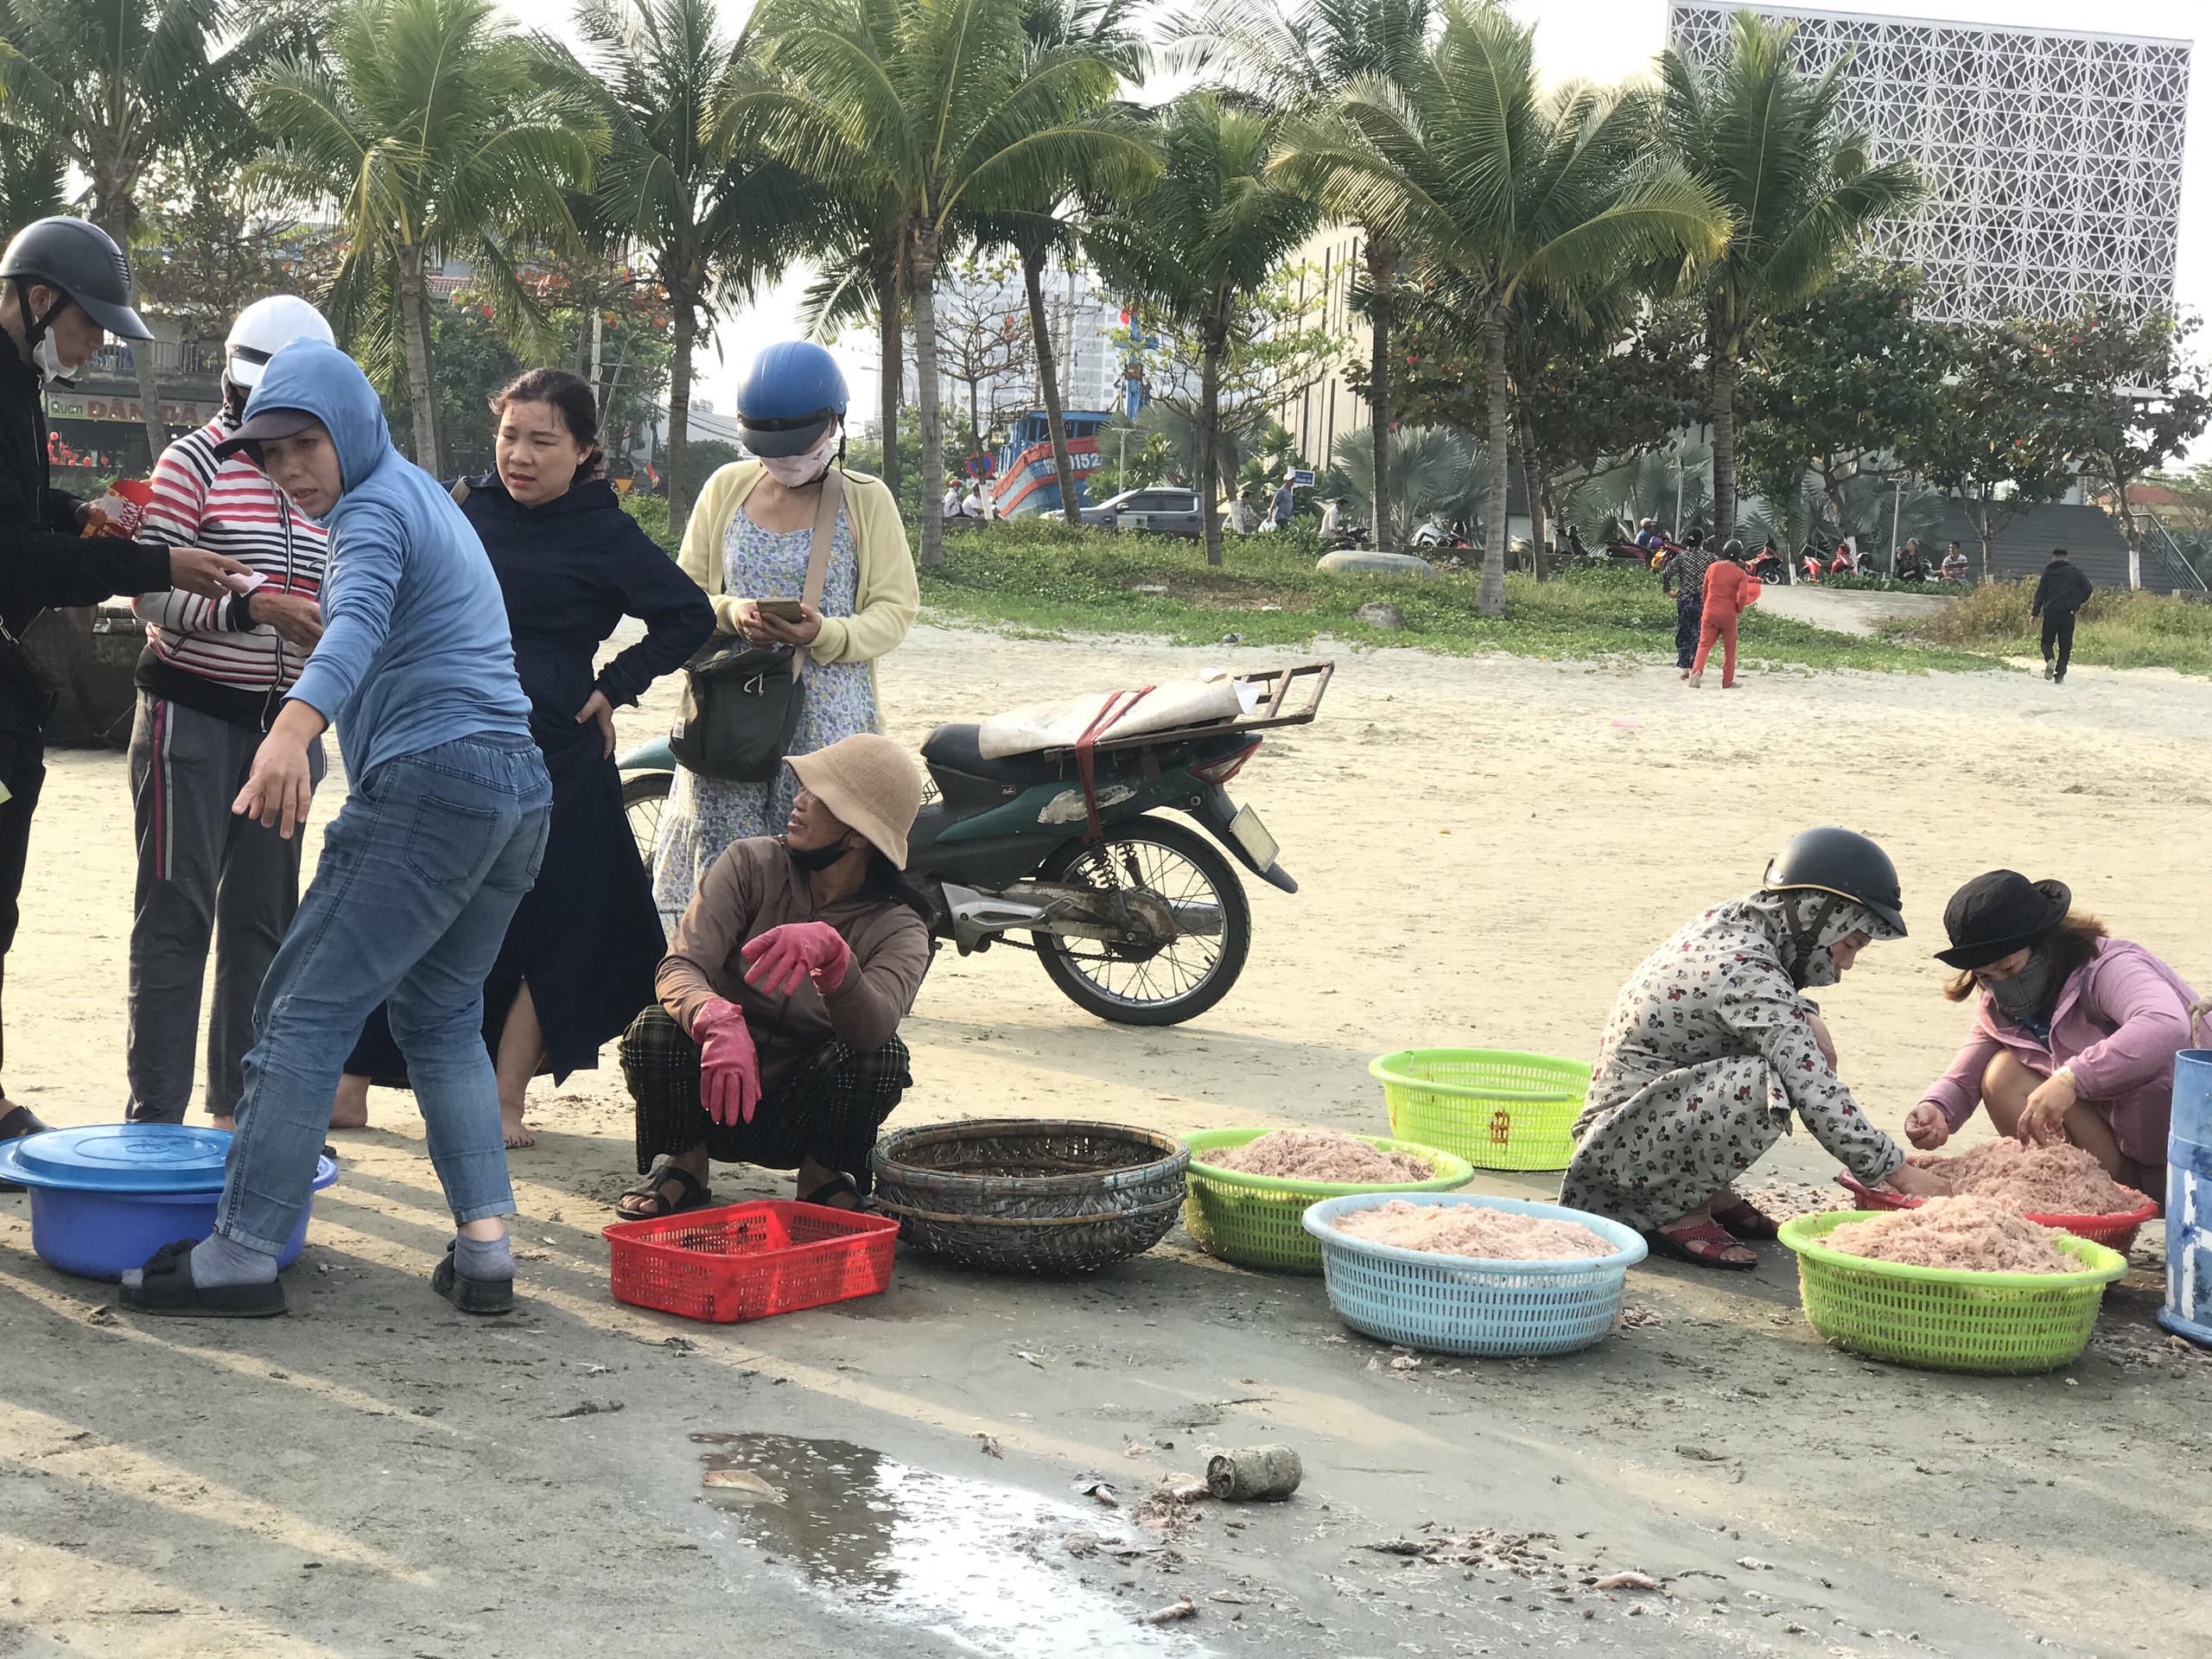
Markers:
1161,512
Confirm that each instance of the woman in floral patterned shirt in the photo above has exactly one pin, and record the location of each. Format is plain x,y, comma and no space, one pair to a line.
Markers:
1713,1045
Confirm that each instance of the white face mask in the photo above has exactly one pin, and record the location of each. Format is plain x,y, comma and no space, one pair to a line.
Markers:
46,357
793,471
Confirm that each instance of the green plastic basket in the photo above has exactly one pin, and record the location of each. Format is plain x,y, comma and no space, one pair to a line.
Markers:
1258,1221
1495,1107
1945,1319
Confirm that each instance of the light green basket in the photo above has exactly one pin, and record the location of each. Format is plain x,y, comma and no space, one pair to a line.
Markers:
1946,1319
1258,1221
1497,1108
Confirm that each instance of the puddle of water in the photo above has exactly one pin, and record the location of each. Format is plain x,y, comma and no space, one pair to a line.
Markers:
972,1561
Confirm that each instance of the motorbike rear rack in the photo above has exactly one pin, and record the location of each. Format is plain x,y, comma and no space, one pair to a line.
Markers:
1305,684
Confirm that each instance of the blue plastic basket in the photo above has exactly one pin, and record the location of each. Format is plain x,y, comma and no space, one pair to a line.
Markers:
1466,1305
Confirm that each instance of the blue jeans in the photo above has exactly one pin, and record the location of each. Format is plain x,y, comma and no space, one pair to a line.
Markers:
1689,616
420,874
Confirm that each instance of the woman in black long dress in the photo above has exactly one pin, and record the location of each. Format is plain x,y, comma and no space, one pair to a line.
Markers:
579,956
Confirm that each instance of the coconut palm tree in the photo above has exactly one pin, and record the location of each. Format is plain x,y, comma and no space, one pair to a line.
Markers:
1801,193
440,131
1202,243
108,88
711,224
856,243
1303,58
940,107
1463,160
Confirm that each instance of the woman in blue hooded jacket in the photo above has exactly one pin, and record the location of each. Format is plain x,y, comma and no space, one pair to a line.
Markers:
440,835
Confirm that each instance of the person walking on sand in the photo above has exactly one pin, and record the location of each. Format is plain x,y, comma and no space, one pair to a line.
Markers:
749,539
65,286
1684,577
2061,593
211,677
579,959
1730,590
420,874
1713,1046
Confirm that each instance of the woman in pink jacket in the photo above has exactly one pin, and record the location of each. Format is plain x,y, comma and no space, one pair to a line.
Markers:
2075,1033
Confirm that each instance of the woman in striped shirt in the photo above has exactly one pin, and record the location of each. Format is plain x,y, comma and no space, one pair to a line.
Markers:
213,674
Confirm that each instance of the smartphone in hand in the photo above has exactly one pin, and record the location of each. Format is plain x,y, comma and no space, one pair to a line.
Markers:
784,610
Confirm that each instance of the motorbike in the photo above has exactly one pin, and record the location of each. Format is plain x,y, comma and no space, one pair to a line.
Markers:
1135,917
1435,534
1348,538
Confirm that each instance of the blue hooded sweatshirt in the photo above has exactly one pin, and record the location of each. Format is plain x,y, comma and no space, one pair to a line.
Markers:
414,650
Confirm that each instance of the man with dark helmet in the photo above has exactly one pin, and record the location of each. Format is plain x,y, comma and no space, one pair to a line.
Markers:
64,287
1713,1045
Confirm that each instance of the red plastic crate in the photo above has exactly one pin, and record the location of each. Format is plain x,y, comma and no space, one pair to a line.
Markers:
2115,1232
748,1260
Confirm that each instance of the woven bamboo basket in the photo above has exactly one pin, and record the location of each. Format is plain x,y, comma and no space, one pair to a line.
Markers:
1032,1195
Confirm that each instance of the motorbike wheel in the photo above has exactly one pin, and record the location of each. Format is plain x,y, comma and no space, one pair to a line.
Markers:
1150,987
644,794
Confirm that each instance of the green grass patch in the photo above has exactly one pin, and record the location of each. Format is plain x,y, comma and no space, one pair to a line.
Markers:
2117,629
1047,579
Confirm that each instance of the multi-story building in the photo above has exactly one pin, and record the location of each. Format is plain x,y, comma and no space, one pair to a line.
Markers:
2053,156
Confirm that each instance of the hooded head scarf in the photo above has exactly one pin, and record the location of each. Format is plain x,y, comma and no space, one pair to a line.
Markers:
1805,922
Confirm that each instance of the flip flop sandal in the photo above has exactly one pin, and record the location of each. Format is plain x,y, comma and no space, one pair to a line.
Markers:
15,1123
1746,1220
692,1193
1682,1246
166,1288
837,1184
471,1295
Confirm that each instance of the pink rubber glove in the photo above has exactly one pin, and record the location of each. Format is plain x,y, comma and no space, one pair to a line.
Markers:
783,956
729,1070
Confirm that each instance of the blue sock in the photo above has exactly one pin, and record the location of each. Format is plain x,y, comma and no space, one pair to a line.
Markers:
483,1258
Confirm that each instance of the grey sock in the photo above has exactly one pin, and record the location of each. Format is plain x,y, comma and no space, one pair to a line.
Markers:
216,1260
483,1258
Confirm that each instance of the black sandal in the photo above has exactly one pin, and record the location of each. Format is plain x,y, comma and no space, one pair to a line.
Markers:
166,1287
471,1295
692,1193
837,1184
15,1123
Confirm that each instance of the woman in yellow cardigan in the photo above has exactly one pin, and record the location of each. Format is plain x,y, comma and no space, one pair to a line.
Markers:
748,540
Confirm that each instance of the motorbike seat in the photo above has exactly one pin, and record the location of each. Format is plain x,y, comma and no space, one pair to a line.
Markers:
955,747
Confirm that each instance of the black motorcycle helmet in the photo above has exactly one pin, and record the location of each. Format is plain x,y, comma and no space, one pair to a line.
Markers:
1732,550
81,260
1844,862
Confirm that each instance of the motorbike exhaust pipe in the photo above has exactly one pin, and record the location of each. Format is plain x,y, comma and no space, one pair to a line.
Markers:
1074,912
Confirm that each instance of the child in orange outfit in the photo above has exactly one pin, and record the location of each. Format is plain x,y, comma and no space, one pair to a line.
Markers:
1730,590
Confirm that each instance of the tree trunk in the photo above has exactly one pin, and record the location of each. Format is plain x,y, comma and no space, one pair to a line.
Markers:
422,385
2134,540
1208,481
1383,281
1490,597
1048,382
1985,532
1535,481
926,387
677,461
1726,369
891,353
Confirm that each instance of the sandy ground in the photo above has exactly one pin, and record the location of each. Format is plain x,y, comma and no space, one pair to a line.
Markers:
1847,610
1486,846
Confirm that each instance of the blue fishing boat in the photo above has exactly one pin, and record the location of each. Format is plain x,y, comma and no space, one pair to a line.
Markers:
1026,482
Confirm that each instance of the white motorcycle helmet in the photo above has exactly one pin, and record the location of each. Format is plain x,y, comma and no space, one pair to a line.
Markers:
264,328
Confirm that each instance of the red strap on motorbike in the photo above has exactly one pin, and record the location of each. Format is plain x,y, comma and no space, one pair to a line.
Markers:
1086,758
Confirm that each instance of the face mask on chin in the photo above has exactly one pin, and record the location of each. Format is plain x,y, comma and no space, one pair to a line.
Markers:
811,859
46,357
796,472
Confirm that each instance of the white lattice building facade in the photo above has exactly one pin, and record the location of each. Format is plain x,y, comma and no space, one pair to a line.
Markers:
2053,158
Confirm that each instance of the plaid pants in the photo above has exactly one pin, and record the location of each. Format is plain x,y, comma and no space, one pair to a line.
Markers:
829,1112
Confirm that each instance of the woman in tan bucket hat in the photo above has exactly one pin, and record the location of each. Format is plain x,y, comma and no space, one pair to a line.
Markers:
775,1039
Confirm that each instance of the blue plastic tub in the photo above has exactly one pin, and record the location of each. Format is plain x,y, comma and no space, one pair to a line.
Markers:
2188,1311
1466,1305
105,1198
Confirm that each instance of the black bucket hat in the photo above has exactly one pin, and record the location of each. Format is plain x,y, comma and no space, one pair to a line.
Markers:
1996,914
